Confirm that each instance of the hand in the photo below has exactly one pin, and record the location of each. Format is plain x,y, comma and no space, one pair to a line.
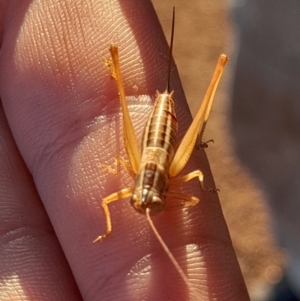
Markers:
61,121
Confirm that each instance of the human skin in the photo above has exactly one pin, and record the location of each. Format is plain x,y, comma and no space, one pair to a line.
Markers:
59,121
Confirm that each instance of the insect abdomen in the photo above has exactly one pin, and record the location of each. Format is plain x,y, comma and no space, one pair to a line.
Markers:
158,147
161,127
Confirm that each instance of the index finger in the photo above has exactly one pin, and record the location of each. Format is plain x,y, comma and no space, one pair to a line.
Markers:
65,115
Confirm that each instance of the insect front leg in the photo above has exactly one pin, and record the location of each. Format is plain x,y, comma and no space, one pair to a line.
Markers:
187,200
124,193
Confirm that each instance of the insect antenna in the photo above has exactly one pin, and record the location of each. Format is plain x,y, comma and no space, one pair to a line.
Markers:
169,254
170,52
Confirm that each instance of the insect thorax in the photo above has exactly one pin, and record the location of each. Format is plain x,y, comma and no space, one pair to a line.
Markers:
151,183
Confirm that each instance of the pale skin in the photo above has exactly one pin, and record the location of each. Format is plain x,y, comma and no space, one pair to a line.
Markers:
54,86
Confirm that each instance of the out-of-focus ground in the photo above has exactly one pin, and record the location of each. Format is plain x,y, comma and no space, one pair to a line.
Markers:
203,31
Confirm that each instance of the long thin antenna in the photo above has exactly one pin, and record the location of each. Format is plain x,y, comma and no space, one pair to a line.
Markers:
167,250
170,52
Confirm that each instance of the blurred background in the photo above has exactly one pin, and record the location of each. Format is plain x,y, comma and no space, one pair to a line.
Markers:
203,30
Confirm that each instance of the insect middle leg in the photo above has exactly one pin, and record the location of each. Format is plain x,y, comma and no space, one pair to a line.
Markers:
114,169
178,181
124,193
189,200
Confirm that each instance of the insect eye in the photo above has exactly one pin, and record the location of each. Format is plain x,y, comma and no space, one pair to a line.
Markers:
135,202
156,200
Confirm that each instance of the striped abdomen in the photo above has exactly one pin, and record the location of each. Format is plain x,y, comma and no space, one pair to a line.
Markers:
158,147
